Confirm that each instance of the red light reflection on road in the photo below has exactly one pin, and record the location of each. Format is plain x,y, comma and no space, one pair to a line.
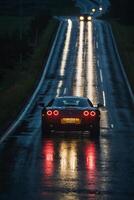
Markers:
91,157
90,153
48,154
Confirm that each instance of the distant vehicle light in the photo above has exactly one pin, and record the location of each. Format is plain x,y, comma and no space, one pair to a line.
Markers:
56,112
86,113
49,112
100,8
93,9
92,113
89,18
81,18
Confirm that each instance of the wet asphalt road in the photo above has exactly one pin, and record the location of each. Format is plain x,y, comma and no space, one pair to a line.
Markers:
71,166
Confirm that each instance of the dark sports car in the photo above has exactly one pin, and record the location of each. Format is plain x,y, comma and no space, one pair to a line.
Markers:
71,113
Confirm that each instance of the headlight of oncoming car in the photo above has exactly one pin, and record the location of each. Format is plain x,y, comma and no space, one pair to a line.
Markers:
89,18
81,18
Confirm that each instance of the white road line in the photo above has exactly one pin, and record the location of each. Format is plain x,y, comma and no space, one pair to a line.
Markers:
98,62
104,98
59,88
101,76
65,91
112,125
97,46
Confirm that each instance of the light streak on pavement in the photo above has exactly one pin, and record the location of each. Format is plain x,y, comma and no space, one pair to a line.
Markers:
79,64
90,77
66,47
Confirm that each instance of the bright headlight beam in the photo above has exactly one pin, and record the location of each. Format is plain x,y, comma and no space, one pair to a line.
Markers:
81,18
93,9
66,47
90,63
89,18
79,64
64,55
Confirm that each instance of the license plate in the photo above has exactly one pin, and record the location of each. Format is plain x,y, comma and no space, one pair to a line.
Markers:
70,121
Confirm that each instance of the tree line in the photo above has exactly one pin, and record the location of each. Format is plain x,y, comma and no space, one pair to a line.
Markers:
20,45
123,10
15,49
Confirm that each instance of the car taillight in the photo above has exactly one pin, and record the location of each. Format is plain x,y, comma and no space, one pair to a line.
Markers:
56,112
86,113
49,112
52,113
92,113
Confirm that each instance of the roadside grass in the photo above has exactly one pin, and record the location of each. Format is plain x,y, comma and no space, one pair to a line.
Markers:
14,24
124,35
13,96
18,81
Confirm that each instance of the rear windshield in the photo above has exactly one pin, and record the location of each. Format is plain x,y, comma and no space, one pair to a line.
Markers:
59,102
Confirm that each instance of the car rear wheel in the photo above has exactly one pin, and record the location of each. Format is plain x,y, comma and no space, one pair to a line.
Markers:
45,130
95,132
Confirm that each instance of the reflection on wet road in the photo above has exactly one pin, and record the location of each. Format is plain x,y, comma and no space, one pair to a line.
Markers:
65,163
68,168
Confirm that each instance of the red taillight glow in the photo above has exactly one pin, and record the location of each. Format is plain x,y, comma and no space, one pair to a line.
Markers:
48,158
86,113
49,113
92,113
52,113
56,112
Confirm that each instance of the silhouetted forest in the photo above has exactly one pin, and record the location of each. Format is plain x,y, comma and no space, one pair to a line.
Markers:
123,10
32,7
18,41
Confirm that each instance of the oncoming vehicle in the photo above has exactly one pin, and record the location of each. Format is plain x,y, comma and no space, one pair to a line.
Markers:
85,17
71,113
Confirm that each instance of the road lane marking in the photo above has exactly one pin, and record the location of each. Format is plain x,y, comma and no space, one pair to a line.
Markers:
65,91
90,74
98,62
112,125
104,98
97,45
59,88
101,76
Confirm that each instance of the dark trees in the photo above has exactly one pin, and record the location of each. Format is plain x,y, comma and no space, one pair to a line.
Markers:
123,10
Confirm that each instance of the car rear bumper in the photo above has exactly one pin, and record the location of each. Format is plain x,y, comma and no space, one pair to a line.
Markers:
72,127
